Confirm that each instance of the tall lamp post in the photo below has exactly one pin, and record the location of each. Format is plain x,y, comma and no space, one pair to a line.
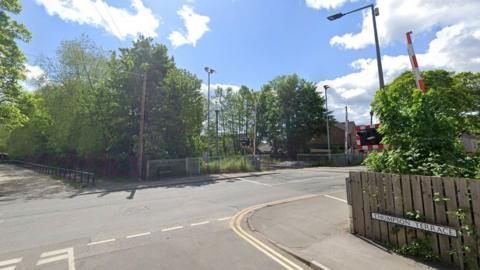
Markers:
209,72
326,117
375,12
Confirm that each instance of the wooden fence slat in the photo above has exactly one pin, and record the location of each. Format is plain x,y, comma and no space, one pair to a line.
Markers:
407,203
398,202
468,240
357,203
453,221
374,206
417,200
390,207
381,205
429,209
366,178
475,194
441,218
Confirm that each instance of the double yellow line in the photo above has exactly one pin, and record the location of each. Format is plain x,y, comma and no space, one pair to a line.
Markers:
236,222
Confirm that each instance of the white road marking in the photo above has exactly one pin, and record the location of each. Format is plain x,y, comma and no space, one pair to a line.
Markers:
59,255
101,242
138,235
8,268
335,198
255,182
224,218
172,228
200,223
9,262
320,265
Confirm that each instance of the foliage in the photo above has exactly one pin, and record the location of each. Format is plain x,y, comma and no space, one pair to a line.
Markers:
420,248
87,113
291,113
14,103
422,129
227,165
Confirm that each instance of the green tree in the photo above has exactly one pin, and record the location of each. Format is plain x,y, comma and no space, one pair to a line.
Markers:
422,129
290,113
13,102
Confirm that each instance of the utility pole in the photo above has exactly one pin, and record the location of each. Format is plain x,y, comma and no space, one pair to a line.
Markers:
346,135
255,126
142,124
326,117
216,116
209,71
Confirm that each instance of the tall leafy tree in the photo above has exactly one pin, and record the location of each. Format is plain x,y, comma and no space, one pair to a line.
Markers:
13,102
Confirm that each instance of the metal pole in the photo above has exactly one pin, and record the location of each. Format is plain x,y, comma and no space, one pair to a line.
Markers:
377,46
346,135
142,123
208,104
255,127
371,118
216,116
326,116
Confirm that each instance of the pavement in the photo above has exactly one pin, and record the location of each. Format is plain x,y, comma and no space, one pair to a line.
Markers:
316,231
46,224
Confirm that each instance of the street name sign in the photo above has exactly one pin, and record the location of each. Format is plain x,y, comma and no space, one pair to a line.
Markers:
416,224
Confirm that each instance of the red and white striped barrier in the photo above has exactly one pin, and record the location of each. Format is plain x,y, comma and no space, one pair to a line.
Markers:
367,147
414,62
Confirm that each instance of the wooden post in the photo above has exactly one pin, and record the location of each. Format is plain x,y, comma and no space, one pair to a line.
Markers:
142,123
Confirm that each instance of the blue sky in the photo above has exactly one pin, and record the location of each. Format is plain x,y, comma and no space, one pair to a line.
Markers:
250,42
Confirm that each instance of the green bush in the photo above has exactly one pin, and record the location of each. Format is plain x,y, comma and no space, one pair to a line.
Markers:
421,129
227,165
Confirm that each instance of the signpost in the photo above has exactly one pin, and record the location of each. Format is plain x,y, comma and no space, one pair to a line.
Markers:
416,224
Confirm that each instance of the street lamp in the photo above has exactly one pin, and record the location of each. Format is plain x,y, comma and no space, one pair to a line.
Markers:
375,12
326,117
209,71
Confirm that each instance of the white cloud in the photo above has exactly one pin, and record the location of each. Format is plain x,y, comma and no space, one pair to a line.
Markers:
325,4
454,48
398,17
213,87
35,76
195,24
120,22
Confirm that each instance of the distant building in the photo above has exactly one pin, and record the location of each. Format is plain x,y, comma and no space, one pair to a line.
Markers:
337,138
470,143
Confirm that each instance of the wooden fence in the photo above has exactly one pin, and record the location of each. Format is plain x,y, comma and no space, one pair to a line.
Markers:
449,202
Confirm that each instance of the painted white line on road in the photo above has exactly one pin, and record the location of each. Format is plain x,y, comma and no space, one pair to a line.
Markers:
101,242
8,268
320,265
172,228
59,255
200,223
255,182
138,235
224,218
11,261
53,259
335,198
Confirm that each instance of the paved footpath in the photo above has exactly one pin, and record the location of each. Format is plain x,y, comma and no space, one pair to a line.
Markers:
316,230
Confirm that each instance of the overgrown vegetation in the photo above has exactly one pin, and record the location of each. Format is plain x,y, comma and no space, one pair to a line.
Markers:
422,129
85,111
227,165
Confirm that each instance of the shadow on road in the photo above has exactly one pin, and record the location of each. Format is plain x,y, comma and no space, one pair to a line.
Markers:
17,183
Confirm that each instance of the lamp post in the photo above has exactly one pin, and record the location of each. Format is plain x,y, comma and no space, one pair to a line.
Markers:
216,123
209,71
375,12
326,117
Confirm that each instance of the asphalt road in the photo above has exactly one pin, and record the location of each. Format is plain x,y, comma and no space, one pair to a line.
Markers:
184,227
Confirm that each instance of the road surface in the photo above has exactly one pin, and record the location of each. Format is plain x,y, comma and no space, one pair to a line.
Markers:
183,227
